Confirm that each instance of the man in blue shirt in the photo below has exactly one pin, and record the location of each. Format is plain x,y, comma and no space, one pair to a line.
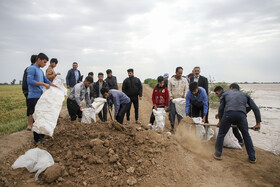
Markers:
73,76
120,100
197,99
36,80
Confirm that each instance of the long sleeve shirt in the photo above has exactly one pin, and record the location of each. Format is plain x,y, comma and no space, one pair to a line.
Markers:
80,92
235,100
34,75
117,98
200,97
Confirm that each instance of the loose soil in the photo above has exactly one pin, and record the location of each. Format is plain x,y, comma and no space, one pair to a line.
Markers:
109,154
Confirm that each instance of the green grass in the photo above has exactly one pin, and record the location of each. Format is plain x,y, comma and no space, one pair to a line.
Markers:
12,109
151,82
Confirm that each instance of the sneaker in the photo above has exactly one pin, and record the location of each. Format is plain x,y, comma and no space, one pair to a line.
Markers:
138,122
217,157
252,161
127,122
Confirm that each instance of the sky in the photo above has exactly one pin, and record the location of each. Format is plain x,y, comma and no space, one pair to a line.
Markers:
231,40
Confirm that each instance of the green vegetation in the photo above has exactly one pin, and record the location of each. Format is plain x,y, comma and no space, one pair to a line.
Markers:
13,109
151,82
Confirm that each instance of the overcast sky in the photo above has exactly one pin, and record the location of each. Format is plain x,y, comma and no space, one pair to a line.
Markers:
231,40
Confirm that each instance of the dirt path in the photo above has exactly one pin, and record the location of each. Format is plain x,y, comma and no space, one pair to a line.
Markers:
152,159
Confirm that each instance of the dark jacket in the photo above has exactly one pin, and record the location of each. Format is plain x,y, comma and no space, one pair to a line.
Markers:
132,87
71,79
95,91
202,82
24,83
112,82
235,100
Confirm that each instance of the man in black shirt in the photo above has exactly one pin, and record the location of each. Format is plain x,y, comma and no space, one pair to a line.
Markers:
98,85
132,87
25,86
111,80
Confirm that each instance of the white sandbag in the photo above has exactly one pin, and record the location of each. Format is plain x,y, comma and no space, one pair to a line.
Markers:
180,105
197,120
88,114
98,104
34,160
230,140
48,108
159,118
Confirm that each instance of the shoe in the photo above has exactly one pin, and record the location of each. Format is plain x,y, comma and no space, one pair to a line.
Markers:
150,125
172,131
127,122
138,122
28,129
252,161
217,157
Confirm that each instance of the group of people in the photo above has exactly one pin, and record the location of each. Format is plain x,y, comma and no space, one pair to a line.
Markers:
234,104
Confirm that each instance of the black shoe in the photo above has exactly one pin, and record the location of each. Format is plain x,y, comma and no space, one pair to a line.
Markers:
172,131
253,161
217,157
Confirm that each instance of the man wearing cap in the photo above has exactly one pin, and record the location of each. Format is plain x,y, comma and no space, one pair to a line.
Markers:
50,73
165,79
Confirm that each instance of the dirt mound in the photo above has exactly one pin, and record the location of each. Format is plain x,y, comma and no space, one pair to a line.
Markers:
109,154
102,154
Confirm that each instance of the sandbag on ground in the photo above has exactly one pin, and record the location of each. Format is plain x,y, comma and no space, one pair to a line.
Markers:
48,108
230,140
34,160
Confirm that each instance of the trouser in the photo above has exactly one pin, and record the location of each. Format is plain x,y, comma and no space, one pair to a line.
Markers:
135,101
73,109
103,117
123,109
152,118
239,118
173,113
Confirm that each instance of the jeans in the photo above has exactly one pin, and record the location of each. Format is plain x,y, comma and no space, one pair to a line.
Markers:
239,118
172,114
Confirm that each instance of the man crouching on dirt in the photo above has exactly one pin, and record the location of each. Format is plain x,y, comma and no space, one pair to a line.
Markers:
78,93
120,100
233,110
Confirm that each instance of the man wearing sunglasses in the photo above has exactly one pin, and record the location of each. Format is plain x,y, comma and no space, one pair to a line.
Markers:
50,73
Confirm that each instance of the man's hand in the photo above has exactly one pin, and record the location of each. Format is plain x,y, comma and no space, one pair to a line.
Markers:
68,86
204,119
155,107
47,86
81,108
165,108
57,74
257,127
218,124
53,85
92,107
217,116
140,98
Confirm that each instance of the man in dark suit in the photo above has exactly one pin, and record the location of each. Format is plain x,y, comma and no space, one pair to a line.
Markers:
73,76
202,82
